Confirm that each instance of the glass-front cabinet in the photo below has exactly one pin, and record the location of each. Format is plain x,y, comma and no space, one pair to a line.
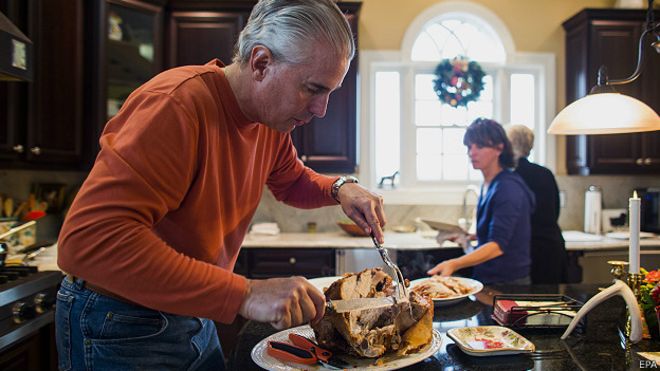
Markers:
125,50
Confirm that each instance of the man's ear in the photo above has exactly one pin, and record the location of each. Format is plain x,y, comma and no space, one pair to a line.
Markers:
261,59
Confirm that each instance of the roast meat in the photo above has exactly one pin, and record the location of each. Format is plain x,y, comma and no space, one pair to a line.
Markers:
405,327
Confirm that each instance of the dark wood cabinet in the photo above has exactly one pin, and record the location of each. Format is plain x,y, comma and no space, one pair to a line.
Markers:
199,31
196,37
328,144
41,123
269,263
124,43
609,37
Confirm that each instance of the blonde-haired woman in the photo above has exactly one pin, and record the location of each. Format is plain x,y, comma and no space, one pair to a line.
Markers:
549,258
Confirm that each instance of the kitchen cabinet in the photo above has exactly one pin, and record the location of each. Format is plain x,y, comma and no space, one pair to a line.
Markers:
197,33
41,121
124,50
609,37
200,31
269,263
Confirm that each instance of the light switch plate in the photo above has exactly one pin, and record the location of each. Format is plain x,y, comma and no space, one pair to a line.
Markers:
19,54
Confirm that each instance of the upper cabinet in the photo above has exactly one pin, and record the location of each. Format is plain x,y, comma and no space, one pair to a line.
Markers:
125,49
609,37
41,121
328,144
199,31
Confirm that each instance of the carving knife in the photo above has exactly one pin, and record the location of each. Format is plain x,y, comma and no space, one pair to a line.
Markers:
349,305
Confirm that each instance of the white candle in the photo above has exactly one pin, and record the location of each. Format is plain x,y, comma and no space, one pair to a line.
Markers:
633,221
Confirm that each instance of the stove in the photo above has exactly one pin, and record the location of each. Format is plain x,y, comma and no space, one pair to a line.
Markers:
27,302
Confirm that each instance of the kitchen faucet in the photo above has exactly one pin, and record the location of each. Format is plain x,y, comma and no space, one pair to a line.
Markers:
463,221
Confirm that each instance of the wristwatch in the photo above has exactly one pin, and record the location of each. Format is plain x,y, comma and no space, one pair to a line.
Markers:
340,182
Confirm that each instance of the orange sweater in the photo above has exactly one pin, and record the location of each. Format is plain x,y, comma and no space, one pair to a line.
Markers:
161,217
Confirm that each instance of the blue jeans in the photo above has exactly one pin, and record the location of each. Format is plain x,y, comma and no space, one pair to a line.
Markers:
97,332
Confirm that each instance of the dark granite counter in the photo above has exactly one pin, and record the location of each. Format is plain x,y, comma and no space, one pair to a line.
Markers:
597,346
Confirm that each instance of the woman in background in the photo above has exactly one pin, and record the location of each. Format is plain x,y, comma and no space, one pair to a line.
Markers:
503,211
549,258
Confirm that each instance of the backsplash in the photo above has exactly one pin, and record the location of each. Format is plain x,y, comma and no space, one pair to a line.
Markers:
615,189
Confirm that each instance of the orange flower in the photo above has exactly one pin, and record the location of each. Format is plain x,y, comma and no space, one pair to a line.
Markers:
652,276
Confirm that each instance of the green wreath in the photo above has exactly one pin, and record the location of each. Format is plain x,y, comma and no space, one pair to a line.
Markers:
458,82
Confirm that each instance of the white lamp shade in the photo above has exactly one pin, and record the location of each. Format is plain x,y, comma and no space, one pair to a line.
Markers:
605,113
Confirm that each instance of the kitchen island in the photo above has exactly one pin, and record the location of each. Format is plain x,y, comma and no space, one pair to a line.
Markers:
598,346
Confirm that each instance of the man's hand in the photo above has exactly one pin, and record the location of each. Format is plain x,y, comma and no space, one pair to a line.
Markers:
283,302
446,268
364,207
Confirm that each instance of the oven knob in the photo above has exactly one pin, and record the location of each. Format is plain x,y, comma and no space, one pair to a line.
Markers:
43,302
22,311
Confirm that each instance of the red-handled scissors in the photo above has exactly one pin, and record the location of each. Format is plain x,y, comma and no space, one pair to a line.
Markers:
306,352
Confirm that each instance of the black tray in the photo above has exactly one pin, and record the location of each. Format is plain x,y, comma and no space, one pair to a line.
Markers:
569,304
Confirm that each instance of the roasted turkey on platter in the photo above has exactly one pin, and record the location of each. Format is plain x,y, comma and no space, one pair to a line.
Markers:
403,328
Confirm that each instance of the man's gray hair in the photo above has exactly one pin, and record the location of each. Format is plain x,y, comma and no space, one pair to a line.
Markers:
522,140
290,29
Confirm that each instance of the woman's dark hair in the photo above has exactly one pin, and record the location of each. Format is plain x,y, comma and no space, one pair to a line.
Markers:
489,133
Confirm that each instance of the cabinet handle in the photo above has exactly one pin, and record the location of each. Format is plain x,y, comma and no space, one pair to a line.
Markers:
647,161
292,260
639,161
35,151
18,148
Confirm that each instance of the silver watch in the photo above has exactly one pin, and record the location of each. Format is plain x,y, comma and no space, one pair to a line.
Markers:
340,182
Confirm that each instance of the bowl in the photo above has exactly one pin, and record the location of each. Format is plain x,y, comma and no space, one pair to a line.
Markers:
352,229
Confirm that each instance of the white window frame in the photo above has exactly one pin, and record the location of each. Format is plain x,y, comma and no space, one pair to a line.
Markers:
410,191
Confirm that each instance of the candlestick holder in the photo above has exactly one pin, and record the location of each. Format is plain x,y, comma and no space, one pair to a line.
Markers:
618,269
635,283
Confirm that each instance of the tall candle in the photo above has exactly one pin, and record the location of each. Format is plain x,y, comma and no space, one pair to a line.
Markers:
633,221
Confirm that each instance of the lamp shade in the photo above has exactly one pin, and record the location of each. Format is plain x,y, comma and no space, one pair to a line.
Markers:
605,113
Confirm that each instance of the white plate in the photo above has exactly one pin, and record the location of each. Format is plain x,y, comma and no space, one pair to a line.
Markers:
389,362
474,284
471,341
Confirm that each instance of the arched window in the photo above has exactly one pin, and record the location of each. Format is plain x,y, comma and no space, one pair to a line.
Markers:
411,132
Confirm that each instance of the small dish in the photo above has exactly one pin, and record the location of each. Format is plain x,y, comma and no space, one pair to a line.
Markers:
352,229
483,341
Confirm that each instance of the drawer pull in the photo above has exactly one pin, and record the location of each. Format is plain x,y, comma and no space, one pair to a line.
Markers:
647,161
639,161
292,260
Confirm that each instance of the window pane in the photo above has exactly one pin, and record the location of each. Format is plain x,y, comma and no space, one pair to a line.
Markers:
451,116
455,167
424,87
424,49
427,112
487,93
474,174
429,167
458,35
452,142
429,141
480,109
522,99
388,123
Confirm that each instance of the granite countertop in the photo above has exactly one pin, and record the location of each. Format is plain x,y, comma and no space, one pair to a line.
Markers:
410,241
596,346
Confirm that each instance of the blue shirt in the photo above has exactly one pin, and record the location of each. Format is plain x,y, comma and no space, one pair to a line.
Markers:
504,216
